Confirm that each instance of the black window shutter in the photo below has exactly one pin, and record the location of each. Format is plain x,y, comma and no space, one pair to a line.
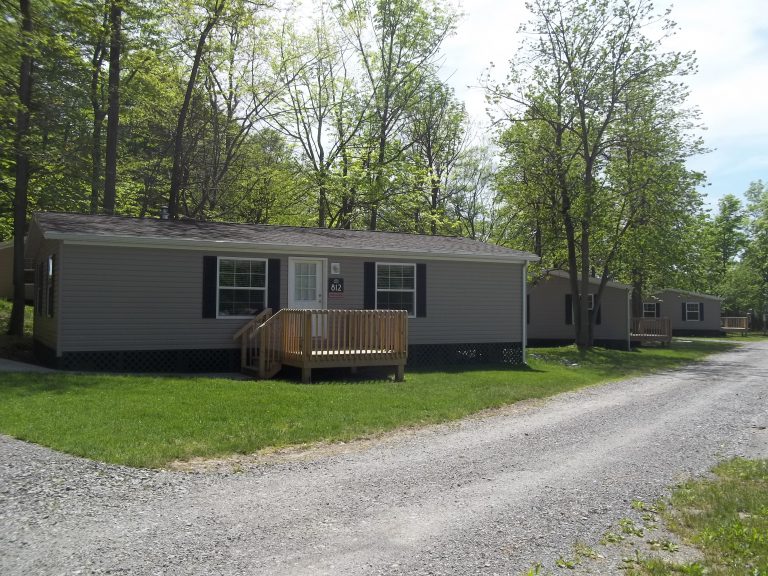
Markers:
527,308
369,285
701,311
39,290
684,316
599,318
210,269
52,288
658,310
569,309
273,284
421,290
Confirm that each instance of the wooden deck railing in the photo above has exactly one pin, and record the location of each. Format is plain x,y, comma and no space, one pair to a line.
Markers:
734,323
647,329
325,338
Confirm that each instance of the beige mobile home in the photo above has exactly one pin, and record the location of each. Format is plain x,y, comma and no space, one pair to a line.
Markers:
690,313
120,293
550,307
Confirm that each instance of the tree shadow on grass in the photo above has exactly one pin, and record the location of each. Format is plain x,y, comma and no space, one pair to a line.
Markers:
616,363
379,374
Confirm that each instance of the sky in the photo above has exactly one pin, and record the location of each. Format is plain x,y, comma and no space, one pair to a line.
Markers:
730,39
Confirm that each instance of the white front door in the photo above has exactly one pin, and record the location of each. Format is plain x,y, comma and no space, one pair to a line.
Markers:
306,283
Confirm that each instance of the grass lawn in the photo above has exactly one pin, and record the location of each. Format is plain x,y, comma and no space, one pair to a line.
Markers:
150,421
725,517
751,337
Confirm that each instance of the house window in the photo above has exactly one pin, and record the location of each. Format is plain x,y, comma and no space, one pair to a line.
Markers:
39,290
692,311
396,287
649,309
241,287
50,284
590,302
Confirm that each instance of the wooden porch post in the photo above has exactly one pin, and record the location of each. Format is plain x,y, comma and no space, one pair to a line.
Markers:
306,370
263,353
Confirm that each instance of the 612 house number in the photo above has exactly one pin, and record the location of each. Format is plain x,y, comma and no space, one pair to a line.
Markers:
336,285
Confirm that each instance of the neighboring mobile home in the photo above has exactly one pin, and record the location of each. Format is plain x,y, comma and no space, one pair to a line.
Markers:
6,273
133,294
690,313
550,312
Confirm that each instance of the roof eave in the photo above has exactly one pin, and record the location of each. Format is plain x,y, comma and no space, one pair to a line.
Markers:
231,246
592,280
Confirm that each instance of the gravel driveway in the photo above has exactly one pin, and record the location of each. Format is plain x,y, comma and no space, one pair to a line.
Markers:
488,495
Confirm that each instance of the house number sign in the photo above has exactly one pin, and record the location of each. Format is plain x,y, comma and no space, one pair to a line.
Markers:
335,286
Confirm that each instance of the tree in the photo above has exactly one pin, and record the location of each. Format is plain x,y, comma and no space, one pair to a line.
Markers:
397,42
436,127
756,252
322,112
113,106
16,323
583,74
729,234
213,12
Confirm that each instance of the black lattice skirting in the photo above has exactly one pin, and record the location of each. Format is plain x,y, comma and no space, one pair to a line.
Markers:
180,361
438,355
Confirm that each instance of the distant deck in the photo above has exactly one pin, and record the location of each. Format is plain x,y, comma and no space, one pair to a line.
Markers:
651,330
737,324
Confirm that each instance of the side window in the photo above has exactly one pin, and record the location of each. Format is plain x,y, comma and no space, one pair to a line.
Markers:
39,288
50,285
692,311
396,287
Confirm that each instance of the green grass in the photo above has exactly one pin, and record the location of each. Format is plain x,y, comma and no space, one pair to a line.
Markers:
726,517
758,336
150,421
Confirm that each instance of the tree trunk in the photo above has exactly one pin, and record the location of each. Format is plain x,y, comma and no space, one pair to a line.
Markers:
178,142
584,336
110,172
637,293
16,324
98,121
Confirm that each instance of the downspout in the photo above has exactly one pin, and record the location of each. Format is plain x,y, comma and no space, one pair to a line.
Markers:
525,307
629,320
59,310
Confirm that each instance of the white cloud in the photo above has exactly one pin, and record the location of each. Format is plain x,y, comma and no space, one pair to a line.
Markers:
731,44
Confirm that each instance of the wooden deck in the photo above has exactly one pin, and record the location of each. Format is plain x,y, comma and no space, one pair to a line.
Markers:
310,339
651,330
739,324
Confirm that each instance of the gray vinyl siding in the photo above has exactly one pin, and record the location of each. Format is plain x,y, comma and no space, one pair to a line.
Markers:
139,299
467,302
46,330
471,303
119,298
547,311
671,304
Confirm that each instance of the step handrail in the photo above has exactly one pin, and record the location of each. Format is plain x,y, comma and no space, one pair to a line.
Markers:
257,320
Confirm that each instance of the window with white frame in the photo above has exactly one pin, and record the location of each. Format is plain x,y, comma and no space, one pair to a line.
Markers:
50,284
241,286
649,309
396,287
590,302
692,311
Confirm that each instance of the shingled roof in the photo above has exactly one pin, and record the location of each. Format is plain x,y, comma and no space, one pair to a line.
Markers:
115,230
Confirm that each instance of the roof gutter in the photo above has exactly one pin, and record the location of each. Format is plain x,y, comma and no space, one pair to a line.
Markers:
229,246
